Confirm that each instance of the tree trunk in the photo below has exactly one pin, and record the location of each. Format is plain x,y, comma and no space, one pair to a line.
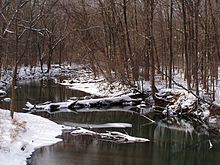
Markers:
60,54
185,45
14,76
171,43
49,60
153,87
196,46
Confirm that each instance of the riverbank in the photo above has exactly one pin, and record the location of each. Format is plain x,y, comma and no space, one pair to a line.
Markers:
26,73
23,134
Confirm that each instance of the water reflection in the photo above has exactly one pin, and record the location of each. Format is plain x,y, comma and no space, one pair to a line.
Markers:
38,92
167,147
85,150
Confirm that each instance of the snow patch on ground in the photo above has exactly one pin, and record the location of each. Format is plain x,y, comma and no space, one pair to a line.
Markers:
22,135
97,88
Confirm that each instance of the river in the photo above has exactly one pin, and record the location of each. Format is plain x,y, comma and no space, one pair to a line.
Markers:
167,146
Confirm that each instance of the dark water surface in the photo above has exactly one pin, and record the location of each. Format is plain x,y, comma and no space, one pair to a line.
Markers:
167,146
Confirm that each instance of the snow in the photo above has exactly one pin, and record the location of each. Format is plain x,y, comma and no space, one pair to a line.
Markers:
28,73
217,96
185,99
2,93
124,99
22,135
82,131
35,73
210,144
123,138
104,125
47,106
7,100
99,88
212,120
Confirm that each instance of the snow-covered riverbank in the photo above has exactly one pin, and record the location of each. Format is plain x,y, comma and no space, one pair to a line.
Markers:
22,135
33,73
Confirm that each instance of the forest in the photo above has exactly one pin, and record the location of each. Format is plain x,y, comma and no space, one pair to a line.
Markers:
96,77
124,40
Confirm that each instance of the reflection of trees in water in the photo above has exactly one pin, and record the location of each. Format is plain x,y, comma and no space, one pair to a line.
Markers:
178,146
38,92
167,146
78,141
97,117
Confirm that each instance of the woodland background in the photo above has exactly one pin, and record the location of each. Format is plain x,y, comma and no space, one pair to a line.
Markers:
124,40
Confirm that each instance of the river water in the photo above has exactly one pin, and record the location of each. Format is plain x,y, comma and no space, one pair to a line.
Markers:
167,146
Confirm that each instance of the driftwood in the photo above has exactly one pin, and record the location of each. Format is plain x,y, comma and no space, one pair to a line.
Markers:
111,136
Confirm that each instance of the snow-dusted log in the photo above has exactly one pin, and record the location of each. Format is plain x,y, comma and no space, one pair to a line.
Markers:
71,82
49,106
111,136
123,100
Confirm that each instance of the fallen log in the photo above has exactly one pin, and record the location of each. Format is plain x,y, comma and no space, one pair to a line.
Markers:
112,136
106,102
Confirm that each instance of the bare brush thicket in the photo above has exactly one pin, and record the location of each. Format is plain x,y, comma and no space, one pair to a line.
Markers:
124,40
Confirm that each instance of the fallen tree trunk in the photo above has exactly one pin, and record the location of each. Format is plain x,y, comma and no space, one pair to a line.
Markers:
111,136
123,100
